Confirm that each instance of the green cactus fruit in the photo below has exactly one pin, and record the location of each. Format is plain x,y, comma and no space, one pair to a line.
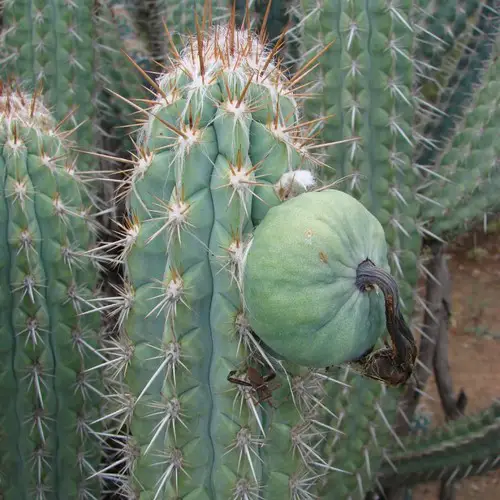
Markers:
306,276
300,279
223,143
49,326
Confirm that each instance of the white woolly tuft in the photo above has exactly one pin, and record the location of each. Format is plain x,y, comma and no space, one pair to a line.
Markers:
293,183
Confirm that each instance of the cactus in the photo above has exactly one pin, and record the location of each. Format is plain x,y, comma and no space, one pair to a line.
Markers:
198,406
462,74
158,385
115,70
444,27
461,174
465,447
363,85
223,144
364,412
49,335
469,176
51,43
71,49
181,19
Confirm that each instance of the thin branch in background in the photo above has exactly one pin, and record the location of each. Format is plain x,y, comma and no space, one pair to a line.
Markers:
453,407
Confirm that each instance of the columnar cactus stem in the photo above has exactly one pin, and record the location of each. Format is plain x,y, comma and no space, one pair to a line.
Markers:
223,143
181,19
443,27
465,73
463,448
365,82
49,334
363,412
72,50
469,176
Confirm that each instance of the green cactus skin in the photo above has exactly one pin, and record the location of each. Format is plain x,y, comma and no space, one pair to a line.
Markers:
464,72
443,26
180,17
51,43
116,30
363,85
465,447
48,350
469,176
72,49
363,411
221,147
446,31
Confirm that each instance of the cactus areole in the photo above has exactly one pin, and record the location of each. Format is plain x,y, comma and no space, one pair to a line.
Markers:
317,287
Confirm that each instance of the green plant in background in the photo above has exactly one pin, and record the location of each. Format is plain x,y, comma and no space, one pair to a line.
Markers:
464,447
444,29
364,84
469,175
118,34
448,90
51,44
72,51
49,330
179,17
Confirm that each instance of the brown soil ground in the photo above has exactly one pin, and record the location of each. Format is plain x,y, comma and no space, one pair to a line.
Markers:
474,346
